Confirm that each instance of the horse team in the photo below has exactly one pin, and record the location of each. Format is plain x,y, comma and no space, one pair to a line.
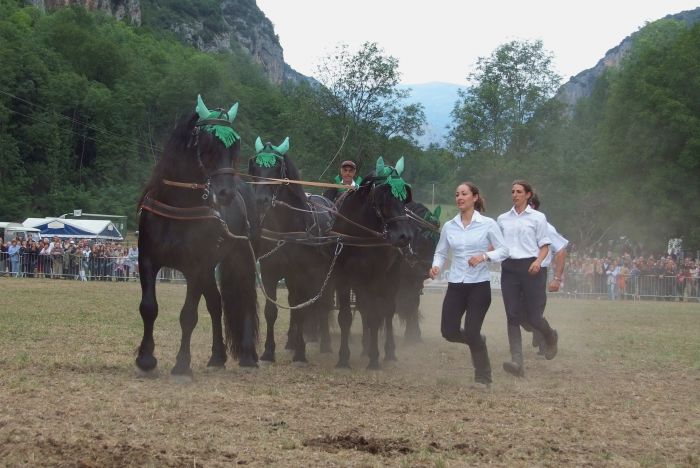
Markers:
199,215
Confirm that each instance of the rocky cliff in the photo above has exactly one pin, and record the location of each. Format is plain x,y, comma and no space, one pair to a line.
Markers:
582,85
123,10
211,27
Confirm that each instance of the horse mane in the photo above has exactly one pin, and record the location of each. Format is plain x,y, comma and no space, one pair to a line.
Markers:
176,145
293,174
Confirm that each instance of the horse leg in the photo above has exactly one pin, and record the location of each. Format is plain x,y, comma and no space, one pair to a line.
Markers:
145,360
324,329
270,285
188,320
374,322
297,317
345,322
213,300
389,343
407,304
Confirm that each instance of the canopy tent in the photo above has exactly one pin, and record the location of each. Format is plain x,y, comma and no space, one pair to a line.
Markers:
75,228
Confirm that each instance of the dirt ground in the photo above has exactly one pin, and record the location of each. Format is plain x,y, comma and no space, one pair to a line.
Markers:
623,391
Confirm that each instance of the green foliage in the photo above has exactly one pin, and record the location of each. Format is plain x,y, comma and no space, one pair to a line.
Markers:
507,89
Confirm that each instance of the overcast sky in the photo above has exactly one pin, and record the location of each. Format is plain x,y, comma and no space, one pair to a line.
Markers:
440,40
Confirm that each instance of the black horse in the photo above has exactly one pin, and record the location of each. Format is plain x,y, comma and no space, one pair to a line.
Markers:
196,213
293,247
373,222
416,262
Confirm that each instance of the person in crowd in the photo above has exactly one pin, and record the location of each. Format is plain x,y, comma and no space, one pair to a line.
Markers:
612,269
84,252
3,257
57,260
347,176
523,281
468,237
33,249
133,257
45,258
13,253
556,257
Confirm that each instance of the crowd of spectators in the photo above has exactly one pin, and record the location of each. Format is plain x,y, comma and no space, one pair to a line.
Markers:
617,277
625,276
82,259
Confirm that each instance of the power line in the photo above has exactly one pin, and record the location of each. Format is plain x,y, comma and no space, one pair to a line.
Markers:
148,146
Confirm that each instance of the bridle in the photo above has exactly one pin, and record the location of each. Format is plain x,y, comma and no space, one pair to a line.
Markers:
208,176
207,211
283,175
384,234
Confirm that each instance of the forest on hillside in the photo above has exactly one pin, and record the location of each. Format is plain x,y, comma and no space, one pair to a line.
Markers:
87,103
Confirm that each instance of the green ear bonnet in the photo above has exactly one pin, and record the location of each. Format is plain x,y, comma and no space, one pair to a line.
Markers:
218,122
267,155
434,219
393,178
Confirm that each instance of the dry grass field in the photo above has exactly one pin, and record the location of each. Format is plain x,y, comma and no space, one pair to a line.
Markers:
623,391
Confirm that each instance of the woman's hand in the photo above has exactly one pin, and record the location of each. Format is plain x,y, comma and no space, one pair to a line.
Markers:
476,259
434,271
534,267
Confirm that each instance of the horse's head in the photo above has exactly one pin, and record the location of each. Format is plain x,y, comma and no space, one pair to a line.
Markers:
426,234
272,162
387,194
216,146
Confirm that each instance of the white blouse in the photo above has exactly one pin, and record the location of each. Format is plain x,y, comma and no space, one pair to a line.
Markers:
524,233
463,242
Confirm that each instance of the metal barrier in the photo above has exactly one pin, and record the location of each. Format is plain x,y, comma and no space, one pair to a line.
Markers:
575,286
622,287
78,267
631,287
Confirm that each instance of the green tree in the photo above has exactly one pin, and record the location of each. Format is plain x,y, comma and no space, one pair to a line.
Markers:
505,92
362,90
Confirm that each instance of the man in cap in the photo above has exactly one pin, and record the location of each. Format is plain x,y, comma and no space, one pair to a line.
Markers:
347,176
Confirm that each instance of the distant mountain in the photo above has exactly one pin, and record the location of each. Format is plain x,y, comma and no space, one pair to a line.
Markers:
438,99
582,84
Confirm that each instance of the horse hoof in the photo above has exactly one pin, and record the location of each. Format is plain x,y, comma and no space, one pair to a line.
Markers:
147,374
342,366
248,363
373,366
300,364
146,363
270,357
181,378
390,359
216,364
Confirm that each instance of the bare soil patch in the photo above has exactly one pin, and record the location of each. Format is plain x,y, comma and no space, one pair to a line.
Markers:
623,391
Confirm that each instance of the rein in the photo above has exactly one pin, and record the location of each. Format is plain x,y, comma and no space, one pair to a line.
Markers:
421,221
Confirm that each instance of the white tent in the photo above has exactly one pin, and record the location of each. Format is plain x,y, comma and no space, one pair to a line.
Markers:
75,228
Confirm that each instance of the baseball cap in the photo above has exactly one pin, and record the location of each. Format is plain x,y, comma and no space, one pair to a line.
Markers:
349,163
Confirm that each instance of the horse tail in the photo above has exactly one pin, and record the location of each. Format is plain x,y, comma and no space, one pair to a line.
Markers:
240,304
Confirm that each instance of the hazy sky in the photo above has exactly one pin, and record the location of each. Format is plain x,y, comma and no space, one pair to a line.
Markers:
440,40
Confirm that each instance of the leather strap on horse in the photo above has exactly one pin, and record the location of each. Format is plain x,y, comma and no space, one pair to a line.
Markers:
421,221
182,214
273,181
187,185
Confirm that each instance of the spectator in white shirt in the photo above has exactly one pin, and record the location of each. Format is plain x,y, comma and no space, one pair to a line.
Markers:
467,237
523,281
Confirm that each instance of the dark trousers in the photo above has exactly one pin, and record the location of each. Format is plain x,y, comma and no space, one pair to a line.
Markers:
524,298
471,300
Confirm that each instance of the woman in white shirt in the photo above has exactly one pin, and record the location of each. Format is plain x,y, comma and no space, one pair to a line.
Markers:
468,237
523,280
